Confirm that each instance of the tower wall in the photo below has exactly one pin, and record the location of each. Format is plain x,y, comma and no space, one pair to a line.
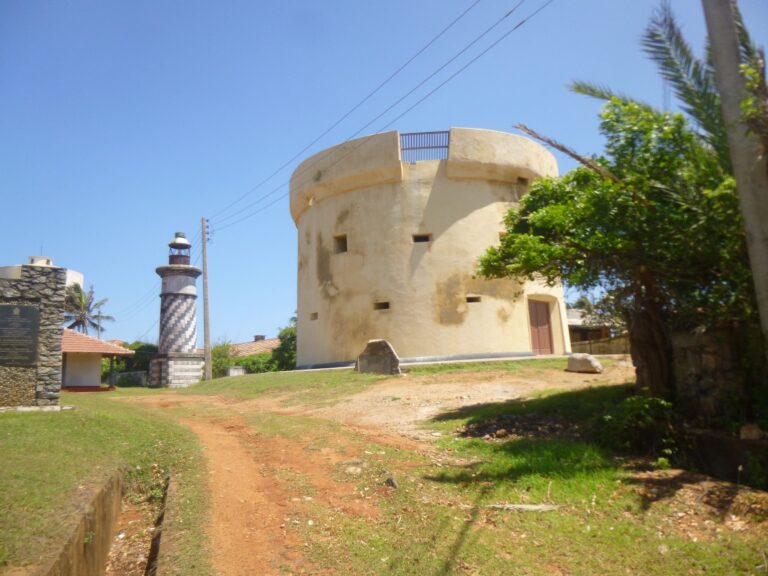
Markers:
178,324
178,364
388,250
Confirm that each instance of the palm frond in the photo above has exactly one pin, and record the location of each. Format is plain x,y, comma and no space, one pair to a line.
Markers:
749,52
601,92
691,79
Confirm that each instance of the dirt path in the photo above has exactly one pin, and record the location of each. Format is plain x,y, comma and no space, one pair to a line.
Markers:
256,515
247,508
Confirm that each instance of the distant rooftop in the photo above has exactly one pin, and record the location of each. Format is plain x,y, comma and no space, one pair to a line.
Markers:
75,342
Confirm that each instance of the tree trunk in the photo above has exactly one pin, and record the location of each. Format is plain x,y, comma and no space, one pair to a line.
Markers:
651,349
750,163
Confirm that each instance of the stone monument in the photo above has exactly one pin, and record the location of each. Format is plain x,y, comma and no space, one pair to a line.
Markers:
31,326
177,364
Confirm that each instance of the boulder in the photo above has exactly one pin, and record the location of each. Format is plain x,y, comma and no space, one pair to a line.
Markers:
585,363
378,358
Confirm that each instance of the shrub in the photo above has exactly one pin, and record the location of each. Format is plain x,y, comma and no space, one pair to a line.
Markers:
220,360
640,424
285,353
257,363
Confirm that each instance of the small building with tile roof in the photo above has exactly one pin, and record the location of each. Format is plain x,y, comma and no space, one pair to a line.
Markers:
258,345
82,354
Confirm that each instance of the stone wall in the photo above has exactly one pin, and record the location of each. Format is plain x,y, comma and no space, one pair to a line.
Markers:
710,374
40,287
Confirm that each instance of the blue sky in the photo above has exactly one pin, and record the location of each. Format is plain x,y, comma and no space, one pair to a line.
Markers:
123,122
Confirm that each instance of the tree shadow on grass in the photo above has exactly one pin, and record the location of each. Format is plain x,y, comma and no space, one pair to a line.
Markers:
579,406
554,437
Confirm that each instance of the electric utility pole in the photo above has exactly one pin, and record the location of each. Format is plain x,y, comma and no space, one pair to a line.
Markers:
206,322
750,163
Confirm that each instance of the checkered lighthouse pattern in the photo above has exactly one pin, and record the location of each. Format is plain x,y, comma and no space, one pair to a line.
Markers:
178,323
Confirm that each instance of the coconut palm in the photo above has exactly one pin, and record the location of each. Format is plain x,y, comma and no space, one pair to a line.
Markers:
82,311
691,78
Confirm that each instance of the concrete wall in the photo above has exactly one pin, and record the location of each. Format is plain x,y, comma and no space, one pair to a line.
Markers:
40,287
82,370
362,191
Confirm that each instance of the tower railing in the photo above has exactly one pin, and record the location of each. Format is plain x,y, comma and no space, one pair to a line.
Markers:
415,146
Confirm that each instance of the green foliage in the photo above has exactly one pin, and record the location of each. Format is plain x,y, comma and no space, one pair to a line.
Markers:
220,360
138,362
285,354
128,381
754,107
257,363
82,311
639,424
662,237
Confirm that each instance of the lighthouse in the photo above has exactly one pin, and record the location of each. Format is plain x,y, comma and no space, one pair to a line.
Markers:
177,364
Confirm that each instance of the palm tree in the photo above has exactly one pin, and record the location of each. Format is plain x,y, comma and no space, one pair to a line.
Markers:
691,78
82,311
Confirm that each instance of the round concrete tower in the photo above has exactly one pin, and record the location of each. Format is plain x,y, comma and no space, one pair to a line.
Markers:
177,364
390,228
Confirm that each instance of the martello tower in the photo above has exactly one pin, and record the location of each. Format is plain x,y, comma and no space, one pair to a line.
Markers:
390,228
177,364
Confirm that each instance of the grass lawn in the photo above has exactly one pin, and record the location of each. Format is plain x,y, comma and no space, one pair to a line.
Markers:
437,520
318,388
52,459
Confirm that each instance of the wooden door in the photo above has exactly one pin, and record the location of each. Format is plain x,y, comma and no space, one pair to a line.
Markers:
541,332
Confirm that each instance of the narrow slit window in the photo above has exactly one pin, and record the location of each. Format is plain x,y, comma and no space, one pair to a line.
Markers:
381,305
473,299
340,243
313,316
418,238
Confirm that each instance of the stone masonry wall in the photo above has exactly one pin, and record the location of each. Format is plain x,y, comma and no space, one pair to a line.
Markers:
41,287
709,373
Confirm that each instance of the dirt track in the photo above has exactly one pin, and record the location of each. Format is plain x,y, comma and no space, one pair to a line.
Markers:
255,516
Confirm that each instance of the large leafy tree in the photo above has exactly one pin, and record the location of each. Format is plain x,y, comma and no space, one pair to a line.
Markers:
654,222
83,311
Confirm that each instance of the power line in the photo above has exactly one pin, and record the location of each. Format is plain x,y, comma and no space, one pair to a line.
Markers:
139,301
441,68
255,212
467,65
398,101
350,111
148,330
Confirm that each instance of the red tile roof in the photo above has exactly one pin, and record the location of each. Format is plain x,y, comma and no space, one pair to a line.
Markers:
253,347
73,341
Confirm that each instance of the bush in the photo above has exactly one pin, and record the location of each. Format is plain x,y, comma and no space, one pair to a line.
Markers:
257,363
639,424
285,353
220,360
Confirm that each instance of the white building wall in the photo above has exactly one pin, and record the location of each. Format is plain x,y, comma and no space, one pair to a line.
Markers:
82,370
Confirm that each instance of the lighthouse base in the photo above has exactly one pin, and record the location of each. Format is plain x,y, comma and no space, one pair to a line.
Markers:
175,370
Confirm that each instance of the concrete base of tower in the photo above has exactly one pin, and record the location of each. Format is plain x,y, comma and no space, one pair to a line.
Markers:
176,370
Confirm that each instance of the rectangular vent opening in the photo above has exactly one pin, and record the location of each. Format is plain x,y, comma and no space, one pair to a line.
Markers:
522,181
340,243
381,305
473,299
422,237
313,316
